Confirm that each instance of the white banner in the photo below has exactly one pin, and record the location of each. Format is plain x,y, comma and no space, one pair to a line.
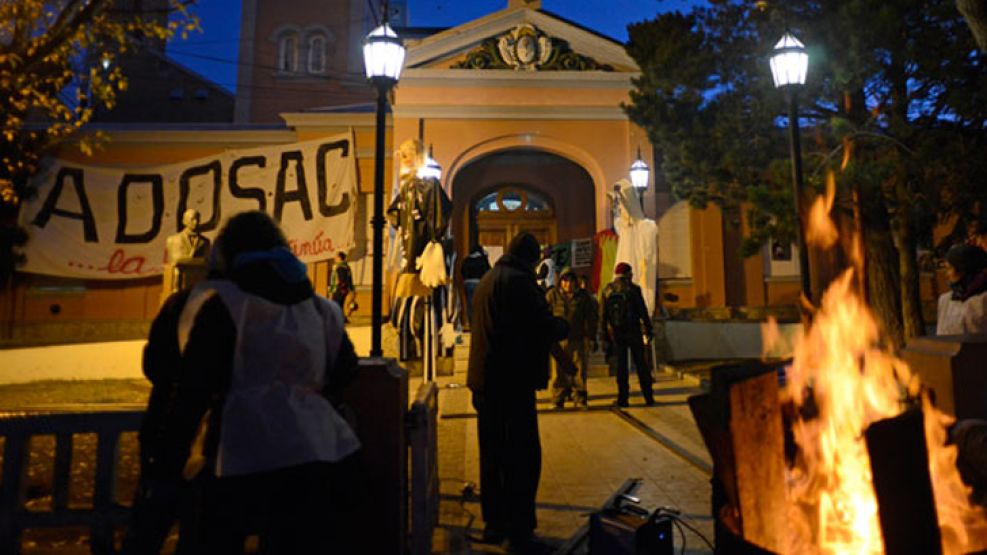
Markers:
111,223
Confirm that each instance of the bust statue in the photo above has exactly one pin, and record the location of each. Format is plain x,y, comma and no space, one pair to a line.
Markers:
186,254
187,243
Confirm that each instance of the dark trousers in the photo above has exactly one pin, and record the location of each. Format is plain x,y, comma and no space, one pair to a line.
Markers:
621,347
297,510
469,287
157,505
510,461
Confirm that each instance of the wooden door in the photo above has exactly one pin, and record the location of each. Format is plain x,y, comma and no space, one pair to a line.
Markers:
513,212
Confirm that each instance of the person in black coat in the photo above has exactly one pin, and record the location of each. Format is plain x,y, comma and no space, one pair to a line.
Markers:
513,333
474,267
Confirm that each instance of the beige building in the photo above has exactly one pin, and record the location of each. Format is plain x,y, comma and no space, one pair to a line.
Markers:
522,109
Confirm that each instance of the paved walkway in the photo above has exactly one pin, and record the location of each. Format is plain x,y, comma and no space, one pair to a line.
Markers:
586,456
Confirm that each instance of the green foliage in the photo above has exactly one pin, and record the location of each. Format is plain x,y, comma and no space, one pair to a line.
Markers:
901,83
52,74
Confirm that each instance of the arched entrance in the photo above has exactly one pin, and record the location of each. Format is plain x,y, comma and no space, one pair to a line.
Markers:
500,194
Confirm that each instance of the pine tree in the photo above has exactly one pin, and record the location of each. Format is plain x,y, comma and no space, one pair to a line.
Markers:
894,106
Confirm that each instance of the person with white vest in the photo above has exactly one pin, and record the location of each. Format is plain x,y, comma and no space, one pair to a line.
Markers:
261,357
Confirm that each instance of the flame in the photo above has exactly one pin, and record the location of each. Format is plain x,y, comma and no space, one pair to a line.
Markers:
822,231
843,379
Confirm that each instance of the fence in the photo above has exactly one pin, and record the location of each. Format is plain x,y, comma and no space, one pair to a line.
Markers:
104,514
392,434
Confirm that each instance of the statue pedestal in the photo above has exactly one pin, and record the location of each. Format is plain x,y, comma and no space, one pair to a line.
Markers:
183,274
952,366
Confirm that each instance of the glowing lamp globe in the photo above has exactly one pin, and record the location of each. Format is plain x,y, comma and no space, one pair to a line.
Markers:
431,169
383,55
639,172
789,62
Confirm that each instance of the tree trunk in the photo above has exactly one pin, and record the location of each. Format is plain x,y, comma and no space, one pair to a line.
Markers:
883,281
911,299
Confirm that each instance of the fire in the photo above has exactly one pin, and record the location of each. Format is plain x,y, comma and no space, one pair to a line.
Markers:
842,380
821,230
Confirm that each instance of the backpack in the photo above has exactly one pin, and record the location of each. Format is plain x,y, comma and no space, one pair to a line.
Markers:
617,308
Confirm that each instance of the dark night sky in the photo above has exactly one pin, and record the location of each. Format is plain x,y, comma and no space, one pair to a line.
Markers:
213,52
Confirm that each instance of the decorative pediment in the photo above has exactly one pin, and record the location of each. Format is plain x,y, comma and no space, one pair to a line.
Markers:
527,48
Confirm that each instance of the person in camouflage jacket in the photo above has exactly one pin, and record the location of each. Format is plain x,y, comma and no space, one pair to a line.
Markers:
579,309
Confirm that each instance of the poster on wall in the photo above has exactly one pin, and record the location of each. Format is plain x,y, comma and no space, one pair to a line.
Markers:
111,222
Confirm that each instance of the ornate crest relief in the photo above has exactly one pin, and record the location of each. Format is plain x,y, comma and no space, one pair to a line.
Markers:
527,48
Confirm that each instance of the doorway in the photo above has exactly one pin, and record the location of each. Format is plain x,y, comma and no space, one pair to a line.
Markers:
506,192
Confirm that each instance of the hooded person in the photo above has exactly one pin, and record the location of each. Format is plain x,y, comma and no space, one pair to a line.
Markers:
637,241
963,309
261,355
626,322
576,305
513,332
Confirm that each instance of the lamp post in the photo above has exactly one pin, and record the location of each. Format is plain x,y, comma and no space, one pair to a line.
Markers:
383,56
639,176
789,63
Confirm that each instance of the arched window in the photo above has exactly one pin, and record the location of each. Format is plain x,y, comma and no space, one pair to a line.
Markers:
288,53
316,54
509,199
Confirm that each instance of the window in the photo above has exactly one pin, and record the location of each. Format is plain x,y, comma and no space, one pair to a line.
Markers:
510,199
288,53
177,93
317,54
201,94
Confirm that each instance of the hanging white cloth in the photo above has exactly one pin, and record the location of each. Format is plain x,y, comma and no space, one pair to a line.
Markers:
637,242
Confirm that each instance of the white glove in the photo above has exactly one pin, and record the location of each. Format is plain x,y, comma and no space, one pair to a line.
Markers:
431,266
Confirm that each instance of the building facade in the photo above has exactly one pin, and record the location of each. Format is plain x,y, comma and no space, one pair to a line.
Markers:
521,108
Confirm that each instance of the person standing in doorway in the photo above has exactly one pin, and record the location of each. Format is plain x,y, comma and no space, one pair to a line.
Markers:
474,267
626,322
513,333
577,306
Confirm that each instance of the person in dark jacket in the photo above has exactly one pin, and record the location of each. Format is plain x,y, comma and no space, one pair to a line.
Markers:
474,267
261,357
513,333
341,280
579,309
162,494
626,322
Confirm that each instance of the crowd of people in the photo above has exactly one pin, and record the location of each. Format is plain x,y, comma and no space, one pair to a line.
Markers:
243,434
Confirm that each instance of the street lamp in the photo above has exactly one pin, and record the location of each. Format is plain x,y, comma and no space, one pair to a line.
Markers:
383,56
789,63
639,176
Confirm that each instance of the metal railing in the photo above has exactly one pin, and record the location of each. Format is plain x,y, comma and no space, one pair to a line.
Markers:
106,512
423,442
